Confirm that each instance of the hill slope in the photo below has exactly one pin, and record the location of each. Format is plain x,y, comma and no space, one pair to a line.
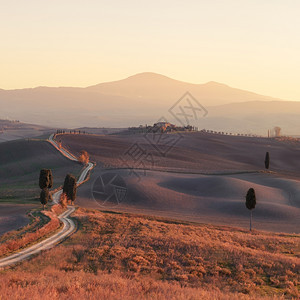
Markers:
204,178
21,162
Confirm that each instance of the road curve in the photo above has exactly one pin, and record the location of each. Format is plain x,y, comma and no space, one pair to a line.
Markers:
68,224
70,156
63,151
68,228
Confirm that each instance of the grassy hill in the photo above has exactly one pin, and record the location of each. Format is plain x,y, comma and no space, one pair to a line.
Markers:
21,162
123,256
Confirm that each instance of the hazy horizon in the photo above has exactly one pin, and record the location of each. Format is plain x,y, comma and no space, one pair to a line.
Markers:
251,45
151,74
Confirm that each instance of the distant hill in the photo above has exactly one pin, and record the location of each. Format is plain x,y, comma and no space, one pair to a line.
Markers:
161,88
16,124
145,98
14,130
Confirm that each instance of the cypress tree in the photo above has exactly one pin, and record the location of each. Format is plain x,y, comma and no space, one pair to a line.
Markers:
46,179
250,203
267,160
44,197
70,187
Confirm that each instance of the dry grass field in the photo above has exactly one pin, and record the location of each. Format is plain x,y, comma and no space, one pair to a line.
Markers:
42,224
124,256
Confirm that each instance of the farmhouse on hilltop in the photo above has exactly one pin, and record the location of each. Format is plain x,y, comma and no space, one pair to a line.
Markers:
164,126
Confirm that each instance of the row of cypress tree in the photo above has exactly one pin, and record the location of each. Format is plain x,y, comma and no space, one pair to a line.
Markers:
46,182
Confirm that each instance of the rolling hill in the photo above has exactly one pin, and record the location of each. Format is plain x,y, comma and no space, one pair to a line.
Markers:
203,178
20,163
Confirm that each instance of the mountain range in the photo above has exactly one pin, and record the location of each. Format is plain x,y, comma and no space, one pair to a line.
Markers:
145,98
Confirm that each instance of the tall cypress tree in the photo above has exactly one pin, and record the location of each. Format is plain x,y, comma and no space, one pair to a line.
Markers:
267,160
250,203
46,179
45,183
70,187
44,197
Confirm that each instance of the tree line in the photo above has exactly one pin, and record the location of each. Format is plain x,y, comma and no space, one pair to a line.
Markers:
69,189
62,131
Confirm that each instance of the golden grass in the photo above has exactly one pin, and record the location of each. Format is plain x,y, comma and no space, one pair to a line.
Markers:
122,256
30,234
54,284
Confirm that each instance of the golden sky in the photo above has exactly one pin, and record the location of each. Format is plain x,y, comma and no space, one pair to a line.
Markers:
248,44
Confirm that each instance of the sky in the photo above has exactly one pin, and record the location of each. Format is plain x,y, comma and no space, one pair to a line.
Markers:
247,44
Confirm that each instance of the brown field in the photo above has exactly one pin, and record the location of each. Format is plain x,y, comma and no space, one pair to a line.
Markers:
124,256
204,178
198,152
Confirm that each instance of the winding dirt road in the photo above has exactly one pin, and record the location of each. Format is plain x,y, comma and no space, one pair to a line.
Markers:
68,224
68,228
